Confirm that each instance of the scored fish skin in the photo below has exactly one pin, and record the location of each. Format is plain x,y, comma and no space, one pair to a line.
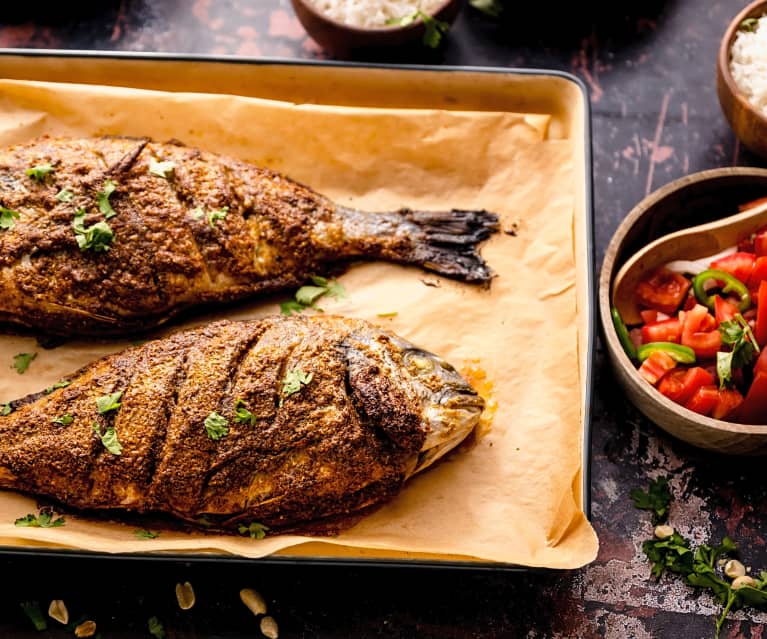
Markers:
376,411
168,254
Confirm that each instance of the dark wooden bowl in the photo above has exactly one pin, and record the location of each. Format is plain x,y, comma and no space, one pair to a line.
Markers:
748,123
341,39
689,201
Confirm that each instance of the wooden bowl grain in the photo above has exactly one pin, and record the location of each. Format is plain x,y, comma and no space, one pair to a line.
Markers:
746,121
694,199
340,39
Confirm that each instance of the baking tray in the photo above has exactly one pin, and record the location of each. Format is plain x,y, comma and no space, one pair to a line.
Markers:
559,94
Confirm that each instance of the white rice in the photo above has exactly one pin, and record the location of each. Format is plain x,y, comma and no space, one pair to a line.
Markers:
373,13
748,63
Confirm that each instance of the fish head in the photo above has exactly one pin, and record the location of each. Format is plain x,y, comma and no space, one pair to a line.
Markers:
451,408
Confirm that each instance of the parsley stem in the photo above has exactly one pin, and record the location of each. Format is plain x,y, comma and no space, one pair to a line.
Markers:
723,616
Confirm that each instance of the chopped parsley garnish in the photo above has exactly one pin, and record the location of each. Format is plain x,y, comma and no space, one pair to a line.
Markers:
39,172
102,197
218,214
242,415
61,384
737,334
155,628
306,296
43,520
96,237
105,403
434,29
5,409
22,361
657,499
254,530
146,534
8,218
65,420
701,567
293,381
109,439
65,195
216,426
32,610
161,169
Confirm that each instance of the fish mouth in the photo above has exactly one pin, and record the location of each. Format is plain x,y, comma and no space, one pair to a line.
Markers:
451,407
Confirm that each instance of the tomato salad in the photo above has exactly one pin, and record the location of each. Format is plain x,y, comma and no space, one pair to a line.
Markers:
703,339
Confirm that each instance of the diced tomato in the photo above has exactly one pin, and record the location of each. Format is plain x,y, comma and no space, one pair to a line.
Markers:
738,264
704,400
758,274
669,330
760,243
760,328
656,366
761,363
663,290
680,384
649,315
753,410
699,332
729,400
724,311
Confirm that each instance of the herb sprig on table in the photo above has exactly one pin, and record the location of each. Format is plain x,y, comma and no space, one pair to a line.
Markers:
308,296
701,567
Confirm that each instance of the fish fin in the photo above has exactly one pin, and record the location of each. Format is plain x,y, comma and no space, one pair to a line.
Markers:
447,243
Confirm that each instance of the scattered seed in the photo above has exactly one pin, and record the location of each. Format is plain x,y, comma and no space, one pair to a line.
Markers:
745,580
86,629
663,531
185,595
253,600
58,611
734,568
269,628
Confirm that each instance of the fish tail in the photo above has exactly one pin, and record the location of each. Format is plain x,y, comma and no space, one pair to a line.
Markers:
446,242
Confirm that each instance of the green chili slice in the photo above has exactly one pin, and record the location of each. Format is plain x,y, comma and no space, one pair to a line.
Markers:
731,285
677,352
623,333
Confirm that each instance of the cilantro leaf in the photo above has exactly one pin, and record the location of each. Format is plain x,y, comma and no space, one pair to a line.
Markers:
216,426
162,169
435,30
65,195
61,384
102,197
7,218
290,307
6,409
737,334
42,520
242,415
254,530
39,172
657,499
105,403
672,554
32,610
146,534
65,420
22,361
293,381
96,237
306,296
109,439
155,628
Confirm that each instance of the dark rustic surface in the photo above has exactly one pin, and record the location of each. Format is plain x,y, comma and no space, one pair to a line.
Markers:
650,72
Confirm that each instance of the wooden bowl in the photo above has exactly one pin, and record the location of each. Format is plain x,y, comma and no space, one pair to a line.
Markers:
748,122
689,201
341,39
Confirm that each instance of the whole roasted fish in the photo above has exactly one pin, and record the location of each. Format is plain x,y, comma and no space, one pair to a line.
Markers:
282,422
116,235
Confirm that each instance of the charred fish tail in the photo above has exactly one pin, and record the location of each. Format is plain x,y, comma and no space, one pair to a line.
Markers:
447,242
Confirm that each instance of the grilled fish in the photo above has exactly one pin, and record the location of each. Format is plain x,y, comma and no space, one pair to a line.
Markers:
116,235
282,421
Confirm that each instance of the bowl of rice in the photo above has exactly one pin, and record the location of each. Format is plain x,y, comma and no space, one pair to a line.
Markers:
345,27
741,77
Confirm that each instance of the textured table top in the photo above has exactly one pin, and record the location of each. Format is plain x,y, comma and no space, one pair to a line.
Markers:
650,73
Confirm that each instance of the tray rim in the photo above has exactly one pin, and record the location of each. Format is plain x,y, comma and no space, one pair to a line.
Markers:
590,310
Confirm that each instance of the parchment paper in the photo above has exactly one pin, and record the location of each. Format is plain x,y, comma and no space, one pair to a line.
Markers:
510,497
